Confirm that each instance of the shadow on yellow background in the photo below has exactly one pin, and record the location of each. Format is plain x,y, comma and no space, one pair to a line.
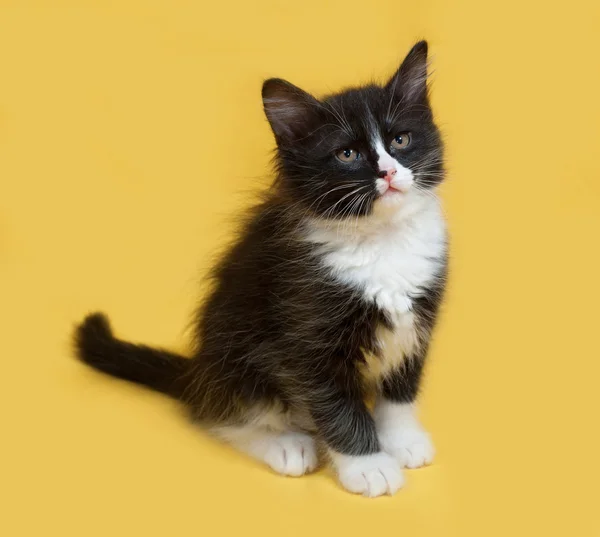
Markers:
129,137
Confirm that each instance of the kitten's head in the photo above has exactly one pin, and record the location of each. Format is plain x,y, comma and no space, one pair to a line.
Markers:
348,153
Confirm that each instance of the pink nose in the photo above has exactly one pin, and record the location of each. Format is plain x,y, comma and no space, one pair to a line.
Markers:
388,175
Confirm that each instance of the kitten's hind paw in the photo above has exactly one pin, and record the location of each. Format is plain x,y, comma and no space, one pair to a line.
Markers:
292,454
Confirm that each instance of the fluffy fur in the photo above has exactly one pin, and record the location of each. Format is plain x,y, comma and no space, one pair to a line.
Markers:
328,297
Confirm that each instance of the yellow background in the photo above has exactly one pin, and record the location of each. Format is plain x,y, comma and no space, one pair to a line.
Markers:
130,134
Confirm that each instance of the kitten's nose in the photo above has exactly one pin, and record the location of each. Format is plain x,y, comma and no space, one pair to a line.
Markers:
388,175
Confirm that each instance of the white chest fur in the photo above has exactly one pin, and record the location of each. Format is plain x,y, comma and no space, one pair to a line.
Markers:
389,258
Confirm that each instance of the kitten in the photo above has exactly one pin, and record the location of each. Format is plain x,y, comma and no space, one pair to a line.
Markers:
328,297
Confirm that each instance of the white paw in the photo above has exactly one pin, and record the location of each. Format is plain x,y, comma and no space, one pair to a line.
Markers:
401,435
369,475
292,454
411,447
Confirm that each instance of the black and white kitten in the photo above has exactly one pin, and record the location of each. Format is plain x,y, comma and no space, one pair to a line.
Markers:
328,298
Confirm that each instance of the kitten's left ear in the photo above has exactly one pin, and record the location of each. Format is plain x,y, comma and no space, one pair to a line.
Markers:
410,81
289,109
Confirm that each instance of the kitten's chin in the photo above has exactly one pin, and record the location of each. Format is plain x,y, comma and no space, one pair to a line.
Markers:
398,205
391,201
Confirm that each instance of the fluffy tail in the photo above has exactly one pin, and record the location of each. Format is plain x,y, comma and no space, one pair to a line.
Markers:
161,370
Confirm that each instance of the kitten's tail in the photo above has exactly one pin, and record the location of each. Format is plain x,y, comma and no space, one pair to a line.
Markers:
96,345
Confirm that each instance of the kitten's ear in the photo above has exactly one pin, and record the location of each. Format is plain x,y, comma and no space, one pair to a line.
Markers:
289,109
410,81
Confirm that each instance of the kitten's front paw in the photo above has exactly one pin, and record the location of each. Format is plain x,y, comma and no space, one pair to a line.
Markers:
369,475
293,454
411,446
401,434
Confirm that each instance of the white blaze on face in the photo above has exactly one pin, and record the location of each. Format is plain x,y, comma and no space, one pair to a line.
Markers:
401,181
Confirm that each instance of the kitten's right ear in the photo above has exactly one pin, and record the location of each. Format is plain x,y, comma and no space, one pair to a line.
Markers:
289,109
410,81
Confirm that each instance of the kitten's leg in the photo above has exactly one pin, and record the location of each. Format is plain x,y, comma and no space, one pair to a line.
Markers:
399,430
349,431
287,452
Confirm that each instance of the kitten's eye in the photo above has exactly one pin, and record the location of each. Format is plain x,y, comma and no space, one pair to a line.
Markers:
401,141
348,155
